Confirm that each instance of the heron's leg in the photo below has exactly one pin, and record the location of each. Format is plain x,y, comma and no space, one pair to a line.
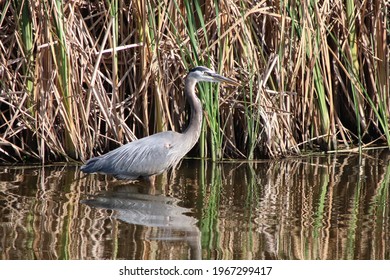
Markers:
151,187
151,180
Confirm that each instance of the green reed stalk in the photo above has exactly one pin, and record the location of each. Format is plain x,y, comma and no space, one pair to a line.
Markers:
210,99
321,95
252,116
26,28
192,31
215,127
62,63
354,64
114,10
318,79
210,95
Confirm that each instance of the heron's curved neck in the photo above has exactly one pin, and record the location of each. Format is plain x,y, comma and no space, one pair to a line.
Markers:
195,125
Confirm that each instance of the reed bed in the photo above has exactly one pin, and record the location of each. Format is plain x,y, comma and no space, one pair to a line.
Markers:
78,78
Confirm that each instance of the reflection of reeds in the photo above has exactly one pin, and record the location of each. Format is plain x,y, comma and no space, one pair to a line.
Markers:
317,208
312,208
78,78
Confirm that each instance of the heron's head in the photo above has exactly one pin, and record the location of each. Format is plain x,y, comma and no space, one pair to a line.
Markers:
204,74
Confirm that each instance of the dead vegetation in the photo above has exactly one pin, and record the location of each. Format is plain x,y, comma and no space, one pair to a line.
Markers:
78,78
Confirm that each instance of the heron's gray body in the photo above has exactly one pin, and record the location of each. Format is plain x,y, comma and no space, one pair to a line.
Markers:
142,158
152,155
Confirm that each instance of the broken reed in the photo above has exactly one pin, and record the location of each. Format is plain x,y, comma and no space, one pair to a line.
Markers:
80,78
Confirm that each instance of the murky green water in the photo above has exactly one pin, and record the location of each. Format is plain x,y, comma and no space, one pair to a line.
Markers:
328,207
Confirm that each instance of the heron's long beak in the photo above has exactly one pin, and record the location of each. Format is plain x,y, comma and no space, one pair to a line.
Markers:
220,78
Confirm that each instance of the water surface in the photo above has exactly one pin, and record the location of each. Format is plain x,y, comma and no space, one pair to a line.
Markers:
312,207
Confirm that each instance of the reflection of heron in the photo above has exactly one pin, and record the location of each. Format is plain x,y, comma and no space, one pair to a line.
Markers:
169,221
152,155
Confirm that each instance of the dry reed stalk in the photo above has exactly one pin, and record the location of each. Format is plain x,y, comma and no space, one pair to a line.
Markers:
79,78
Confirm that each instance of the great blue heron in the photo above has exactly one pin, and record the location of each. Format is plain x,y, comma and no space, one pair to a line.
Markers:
149,156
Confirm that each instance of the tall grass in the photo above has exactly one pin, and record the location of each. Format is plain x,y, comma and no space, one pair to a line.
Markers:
80,78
